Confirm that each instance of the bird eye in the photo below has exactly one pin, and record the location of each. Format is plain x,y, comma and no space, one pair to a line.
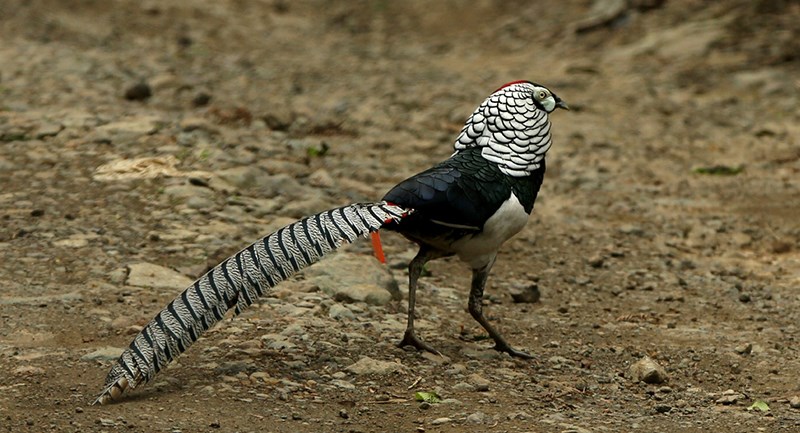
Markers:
541,94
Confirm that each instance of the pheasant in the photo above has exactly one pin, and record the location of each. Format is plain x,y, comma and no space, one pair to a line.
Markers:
467,206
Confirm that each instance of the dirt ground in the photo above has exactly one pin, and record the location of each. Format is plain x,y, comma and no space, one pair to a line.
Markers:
668,225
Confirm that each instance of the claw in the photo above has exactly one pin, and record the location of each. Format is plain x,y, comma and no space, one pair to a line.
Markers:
511,351
411,339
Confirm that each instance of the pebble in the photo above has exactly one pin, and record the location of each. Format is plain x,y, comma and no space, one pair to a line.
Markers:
131,128
794,402
648,371
368,366
351,277
744,349
28,370
527,293
138,92
107,353
476,418
663,408
596,261
440,421
339,312
729,397
480,383
463,386
149,275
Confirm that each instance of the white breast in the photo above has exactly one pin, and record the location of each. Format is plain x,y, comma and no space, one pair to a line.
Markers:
479,250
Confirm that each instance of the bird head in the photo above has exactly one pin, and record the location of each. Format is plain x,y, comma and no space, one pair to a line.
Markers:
512,127
542,97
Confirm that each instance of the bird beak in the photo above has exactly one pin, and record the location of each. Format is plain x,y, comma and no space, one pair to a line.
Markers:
562,104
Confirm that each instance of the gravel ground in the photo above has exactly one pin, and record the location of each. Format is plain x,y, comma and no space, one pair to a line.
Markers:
142,142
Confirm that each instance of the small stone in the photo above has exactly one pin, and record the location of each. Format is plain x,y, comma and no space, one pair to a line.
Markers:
424,405
48,129
138,92
596,261
343,414
744,349
648,371
663,408
338,312
440,421
781,247
744,297
525,294
794,402
728,399
78,409
480,383
354,278
463,386
153,276
367,366
201,99
476,418
28,370
103,354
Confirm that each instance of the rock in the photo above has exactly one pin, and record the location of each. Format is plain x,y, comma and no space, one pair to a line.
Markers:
744,349
75,241
28,370
794,402
476,418
154,276
339,312
440,421
729,397
48,129
663,408
107,353
648,371
368,366
130,128
525,294
310,205
191,123
268,186
138,92
201,99
596,261
354,278
480,383
200,203
463,386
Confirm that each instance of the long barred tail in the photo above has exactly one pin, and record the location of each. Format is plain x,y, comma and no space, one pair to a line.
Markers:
238,282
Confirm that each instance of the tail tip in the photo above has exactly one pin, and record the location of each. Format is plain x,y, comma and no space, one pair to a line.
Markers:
112,392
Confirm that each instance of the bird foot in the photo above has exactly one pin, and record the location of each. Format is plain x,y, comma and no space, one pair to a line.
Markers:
411,339
511,351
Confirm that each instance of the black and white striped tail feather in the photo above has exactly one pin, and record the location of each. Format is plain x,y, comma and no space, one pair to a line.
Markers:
238,282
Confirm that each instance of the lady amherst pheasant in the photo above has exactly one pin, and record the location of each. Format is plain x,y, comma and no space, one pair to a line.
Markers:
467,205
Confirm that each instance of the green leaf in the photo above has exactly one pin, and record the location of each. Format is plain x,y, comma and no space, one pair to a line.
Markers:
720,170
429,397
318,152
760,405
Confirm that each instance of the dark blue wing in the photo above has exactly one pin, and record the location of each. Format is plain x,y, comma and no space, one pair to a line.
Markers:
461,192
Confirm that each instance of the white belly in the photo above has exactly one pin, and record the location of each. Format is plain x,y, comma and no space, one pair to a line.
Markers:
480,250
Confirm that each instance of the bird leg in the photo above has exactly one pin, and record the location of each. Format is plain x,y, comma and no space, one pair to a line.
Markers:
479,277
414,271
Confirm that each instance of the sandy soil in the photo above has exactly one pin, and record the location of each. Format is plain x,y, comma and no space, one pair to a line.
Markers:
668,225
